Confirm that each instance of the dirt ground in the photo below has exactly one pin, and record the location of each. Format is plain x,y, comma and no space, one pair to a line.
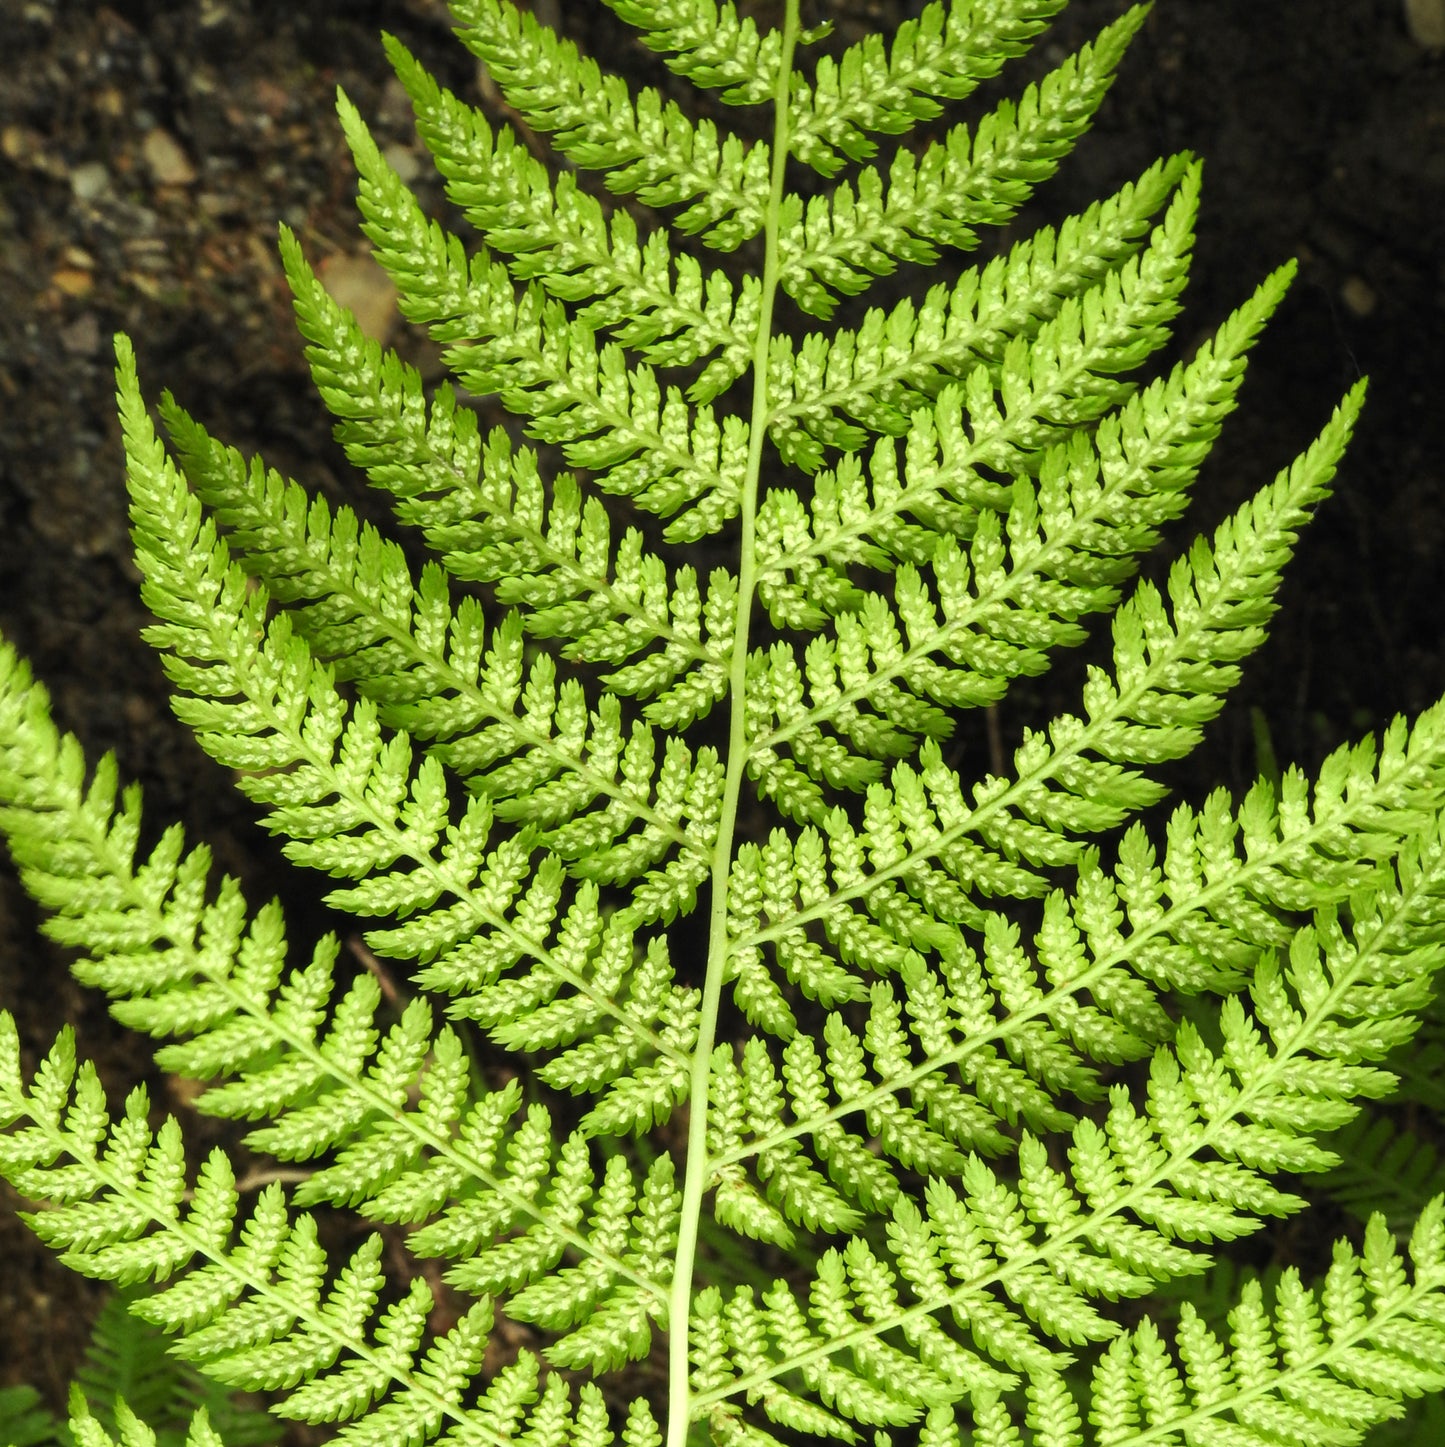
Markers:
148,149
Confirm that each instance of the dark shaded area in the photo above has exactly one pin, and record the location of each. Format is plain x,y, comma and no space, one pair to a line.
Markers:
1324,133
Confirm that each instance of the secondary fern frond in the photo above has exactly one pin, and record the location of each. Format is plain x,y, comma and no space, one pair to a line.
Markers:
126,1367
1422,1067
734,1058
25,1421
1382,1168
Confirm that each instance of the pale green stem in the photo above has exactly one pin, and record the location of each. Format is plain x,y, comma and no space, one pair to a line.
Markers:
694,1185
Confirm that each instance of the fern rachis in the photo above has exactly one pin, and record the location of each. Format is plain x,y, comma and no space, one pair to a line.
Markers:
967,1067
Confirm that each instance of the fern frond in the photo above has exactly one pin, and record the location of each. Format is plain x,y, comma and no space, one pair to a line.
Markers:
654,301
944,54
870,689
947,1072
1018,1262
250,1301
1323,1366
265,706
898,361
713,47
126,1362
1422,1067
434,672
1382,1167
1001,1039
352,596
131,1430
646,145
836,244
485,508
1196,918
25,1421
1062,372
1307,1368
542,363
177,963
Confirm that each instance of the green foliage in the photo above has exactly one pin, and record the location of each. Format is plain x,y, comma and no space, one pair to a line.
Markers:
752,1070
24,1420
87,1430
126,1362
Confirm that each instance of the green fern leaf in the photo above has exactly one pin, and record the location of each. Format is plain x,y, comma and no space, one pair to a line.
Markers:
24,1421
721,1051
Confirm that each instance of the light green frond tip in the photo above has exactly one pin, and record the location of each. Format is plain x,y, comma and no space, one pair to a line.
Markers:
130,1431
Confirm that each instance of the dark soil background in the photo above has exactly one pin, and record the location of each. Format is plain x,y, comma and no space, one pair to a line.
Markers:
148,149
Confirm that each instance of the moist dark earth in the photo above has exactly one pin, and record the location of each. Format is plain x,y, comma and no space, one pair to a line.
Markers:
149,149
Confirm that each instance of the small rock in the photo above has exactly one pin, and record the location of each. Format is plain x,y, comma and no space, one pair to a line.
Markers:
82,337
168,163
395,103
359,283
403,161
19,143
1426,22
1358,295
89,180
29,149
272,98
184,1092
72,280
